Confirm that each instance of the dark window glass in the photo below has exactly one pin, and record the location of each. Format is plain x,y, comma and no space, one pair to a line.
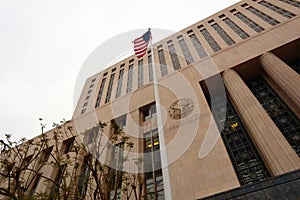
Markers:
283,117
150,68
186,52
140,73
240,32
152,164
162,62
276,9
100,93
68,144
83,179
199,48
109,89
292,3
229,41
174,57
120,83
263,16
91,135
246,161
148,111
129,78
211,41
249,22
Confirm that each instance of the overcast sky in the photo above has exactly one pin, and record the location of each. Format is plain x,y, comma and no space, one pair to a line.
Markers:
43,44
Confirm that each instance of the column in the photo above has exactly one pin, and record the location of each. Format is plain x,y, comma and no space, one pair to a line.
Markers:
276,152
285,77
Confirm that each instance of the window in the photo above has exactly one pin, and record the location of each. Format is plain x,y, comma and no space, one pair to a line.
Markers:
116,170
150,68
93,80
249,22
174,57
83,179
211,41
263,16
85,104
292,3
186,52
162,62
46,154
229,41
129,78
109,89
199,48
120,82
57,181
245,159
91,135
140,73
26,161
240,32
120,122
88,97
152,164
100,93
148,111
286,121
35,184
276,9
90,91
91,85
68,144
83,111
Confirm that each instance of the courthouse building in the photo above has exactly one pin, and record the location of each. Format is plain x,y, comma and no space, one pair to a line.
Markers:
229,92
241,66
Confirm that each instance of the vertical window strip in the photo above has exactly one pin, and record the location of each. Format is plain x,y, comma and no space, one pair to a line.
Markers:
174,57
249,22
229,41
277,9
286,121
129,78
140,73
240,32
292,3
150,68
110,85
153,177
100,93
186,52
162,62
120,83
199,48
211,41
263,16
245,158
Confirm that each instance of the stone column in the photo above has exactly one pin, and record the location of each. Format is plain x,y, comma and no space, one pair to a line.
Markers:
276,152
285,77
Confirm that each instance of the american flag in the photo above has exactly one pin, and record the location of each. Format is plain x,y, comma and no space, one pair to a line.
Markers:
141,43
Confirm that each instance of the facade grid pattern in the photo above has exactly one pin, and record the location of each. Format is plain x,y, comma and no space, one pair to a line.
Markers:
277,9
249,22
211,41
229,41
240,32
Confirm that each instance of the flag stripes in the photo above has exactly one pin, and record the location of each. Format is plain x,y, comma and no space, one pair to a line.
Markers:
141,44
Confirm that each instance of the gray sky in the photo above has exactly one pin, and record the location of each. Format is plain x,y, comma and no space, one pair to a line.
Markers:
43,44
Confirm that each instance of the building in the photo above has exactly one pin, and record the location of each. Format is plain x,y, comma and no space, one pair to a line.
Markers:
234,74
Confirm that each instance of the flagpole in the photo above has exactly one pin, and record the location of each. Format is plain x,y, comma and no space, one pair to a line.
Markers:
162,146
